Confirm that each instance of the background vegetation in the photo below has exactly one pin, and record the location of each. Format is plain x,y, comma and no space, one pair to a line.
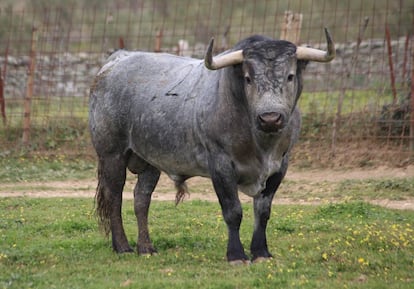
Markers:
196,21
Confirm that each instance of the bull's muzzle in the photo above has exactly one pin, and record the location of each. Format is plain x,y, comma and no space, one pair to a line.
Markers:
271,121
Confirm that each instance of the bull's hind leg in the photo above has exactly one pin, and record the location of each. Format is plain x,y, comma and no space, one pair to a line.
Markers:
147,180
262,208
111,180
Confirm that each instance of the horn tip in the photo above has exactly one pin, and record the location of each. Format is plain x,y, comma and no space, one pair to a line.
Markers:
211,43
208,59
331,46
328,34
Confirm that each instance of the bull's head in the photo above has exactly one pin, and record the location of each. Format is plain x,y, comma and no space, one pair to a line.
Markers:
271,70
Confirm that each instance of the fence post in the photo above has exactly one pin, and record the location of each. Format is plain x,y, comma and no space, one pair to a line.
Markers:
158,40
29,90
412,99
390,63
291,27
2,101
345,82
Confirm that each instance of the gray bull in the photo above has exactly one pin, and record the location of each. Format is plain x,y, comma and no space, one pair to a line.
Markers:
232,118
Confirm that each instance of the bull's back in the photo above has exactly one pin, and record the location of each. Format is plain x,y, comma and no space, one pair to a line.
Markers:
143,76
147,102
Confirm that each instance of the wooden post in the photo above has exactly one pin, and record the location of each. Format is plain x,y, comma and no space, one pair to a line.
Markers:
29,90
291,27
2,101
158,40
121,43
345,83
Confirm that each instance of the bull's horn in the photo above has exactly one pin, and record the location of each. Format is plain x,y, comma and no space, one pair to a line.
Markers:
311,54
221,61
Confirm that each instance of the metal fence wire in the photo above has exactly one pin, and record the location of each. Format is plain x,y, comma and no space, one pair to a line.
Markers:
361,101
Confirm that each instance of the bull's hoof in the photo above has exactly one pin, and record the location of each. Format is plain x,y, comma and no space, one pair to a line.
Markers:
124,250
146,251
261,259
239,262
148,254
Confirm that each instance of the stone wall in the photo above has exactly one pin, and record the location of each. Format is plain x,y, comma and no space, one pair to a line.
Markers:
363,67
55,75
70,75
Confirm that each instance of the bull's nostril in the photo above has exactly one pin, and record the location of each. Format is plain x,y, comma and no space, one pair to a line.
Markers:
271,118
271,121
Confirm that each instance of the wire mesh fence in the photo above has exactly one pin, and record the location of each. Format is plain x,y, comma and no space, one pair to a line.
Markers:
49,54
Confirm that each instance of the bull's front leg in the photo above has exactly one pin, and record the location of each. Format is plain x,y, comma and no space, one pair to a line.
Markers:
226,190
262,209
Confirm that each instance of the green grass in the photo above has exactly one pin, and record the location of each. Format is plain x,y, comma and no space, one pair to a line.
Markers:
57,124
44,109
26,167
349,189
395,189
354,101
55,243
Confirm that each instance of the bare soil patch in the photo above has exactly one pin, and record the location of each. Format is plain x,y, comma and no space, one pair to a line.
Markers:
201,188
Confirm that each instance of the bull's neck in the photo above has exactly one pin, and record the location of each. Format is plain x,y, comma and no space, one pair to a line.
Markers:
231,89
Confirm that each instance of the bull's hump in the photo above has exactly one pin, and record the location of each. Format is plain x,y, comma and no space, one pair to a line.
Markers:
113,59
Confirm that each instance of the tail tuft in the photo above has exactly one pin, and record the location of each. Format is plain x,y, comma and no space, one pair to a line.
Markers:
102,205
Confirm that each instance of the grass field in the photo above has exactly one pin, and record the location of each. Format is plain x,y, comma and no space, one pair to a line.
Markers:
55,243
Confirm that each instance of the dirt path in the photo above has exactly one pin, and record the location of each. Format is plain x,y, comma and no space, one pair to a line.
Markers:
165,189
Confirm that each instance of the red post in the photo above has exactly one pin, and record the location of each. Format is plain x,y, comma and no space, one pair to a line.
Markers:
392,75
121,43
406,52
2,102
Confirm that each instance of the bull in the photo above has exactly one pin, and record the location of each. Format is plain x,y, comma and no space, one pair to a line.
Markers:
231,118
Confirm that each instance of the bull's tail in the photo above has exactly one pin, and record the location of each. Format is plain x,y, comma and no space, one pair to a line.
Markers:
102,203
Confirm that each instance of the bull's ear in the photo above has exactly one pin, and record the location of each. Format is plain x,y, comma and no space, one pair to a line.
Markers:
302,64
221,61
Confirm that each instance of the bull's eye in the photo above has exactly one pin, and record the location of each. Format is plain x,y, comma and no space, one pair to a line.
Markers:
247,79
290,77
